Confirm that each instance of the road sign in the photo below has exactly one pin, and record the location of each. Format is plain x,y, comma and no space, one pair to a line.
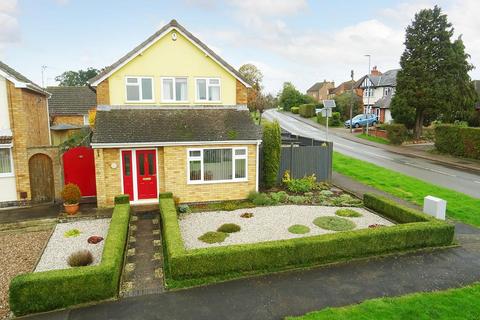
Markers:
329,104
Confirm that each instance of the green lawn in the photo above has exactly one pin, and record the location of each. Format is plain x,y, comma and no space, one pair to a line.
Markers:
449,305
459,205
373,138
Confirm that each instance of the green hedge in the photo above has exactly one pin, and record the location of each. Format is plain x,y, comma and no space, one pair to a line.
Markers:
334,121
307,110
396,133
274,255
49,290
272,147
295,110
458,141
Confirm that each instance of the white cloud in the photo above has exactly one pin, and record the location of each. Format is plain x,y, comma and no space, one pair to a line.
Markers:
269,7
9,27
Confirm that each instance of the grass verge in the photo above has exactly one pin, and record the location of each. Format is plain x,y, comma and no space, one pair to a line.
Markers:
373,138
450,304
459,205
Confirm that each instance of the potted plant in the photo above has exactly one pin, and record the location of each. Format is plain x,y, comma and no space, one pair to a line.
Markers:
71,196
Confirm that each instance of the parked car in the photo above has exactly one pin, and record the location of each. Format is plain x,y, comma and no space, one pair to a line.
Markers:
361,121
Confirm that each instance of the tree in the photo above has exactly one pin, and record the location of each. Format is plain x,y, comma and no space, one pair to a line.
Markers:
262,102
272,147
252,75
344,101
290,97
76,78
433,81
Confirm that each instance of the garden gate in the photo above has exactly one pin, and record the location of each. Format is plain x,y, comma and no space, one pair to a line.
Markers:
79,168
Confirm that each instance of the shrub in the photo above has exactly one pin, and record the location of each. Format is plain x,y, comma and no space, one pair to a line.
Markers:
80,258
183,208
396,133
297,199
302,185
335,121
334,223
49,290
122,199
298,229
261,199
272,145
279,197
230,206
307,110
281,254
348,213
247,215
458,141
213,237
71,194
295,110
71,233
229,228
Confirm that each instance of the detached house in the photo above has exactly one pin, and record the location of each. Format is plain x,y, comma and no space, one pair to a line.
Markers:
26,159
378,90
320,90
172,116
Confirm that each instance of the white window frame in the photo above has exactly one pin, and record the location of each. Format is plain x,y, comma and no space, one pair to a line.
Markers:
11,173
86,121
200,158
174,79
207,85
139,85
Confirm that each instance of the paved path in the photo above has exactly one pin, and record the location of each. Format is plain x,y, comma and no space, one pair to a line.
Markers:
430,171
297,292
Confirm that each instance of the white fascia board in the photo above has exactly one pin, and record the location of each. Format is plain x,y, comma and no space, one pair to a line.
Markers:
168,144
96,83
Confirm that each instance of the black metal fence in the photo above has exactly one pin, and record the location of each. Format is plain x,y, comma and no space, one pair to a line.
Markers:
303,156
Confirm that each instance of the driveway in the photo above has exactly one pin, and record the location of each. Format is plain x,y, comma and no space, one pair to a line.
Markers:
462,181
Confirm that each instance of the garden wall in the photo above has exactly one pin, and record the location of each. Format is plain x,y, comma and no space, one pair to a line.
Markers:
49,290
273,255
458,141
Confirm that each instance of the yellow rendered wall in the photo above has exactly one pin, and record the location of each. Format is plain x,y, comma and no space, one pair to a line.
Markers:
168,58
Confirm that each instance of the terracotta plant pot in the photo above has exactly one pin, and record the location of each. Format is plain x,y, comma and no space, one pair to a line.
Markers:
71,209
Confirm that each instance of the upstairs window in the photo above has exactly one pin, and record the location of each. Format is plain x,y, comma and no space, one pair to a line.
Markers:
387,91
207,89
139,89
174,89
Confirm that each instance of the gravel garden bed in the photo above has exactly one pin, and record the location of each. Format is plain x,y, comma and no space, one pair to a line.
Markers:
71,237
271,223
18,254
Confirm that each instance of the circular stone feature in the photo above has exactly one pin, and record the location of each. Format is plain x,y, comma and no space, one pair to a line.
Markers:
229,228
334,223
298,229
213,237
348,213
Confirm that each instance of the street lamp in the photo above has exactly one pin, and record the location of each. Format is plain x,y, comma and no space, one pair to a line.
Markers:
368,89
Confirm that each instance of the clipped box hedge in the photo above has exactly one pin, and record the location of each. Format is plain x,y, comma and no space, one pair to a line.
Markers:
458,141
49,290
307,110
321,249
294,110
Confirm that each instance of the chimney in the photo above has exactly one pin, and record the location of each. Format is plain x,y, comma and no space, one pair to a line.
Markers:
375,72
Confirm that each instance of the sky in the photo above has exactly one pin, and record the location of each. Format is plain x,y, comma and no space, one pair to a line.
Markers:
299,41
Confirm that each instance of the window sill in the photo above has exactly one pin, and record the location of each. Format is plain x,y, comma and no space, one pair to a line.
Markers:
139,102
217,181
7,175
207,101
175,101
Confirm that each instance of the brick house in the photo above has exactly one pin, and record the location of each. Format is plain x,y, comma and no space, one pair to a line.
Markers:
320,90
344,87
172,116
27,161
69,109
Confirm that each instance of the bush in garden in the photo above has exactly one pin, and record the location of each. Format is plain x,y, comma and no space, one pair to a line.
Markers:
71,194
213,237
229,228
348,213
298,229
396,133
334,223
295,110
297,199
80,258
71,233
302,185
307,110
183,208
272,145
260,199
335,120
458,140
279,197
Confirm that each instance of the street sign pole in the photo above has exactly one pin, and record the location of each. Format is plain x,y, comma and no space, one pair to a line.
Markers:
328,105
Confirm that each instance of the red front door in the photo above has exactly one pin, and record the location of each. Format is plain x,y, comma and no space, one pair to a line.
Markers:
127,173
146,174
79,168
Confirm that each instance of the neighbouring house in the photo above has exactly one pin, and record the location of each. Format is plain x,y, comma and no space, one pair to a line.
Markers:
172,116
320,90
378,90
69,109
476,85
344,87
29,166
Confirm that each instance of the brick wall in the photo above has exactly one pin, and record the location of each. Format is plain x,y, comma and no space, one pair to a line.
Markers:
108,178
242,93
175,159
103,93
73,120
